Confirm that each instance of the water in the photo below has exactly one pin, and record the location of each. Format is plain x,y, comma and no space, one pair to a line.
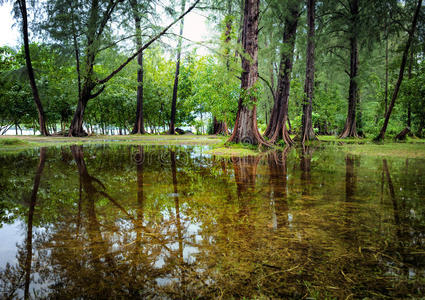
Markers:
173,222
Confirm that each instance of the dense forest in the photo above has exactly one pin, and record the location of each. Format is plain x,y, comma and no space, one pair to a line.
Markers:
275,71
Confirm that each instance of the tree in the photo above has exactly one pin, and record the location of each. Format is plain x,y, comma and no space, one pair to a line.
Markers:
176,76
41,115
245,130
307,132
96,25
277,129
381,135
353,93
139,127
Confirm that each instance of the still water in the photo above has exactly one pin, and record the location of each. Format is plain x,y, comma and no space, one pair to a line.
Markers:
95,222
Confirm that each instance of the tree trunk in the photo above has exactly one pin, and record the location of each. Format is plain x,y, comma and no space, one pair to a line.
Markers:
220,127
381,135
402,135
36,96
176,76
139,127
76,128
307,132
409,104
386,73
246,130
350,129
277,129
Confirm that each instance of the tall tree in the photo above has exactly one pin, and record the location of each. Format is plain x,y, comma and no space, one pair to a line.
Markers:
276,128
350,129
411,33
41,115
98,17
246,130
176,75
307,132
220,126
139,127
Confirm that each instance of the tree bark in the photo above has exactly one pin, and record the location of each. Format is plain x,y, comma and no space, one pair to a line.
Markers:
409,104
403,134
277,129
41,116
246,130
386,73
307,132
350,129
176,76
139,127
220,127
381,135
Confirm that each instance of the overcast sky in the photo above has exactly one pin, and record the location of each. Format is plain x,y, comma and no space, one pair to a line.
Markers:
195,28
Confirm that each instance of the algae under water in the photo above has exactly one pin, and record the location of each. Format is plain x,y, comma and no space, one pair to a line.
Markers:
129,221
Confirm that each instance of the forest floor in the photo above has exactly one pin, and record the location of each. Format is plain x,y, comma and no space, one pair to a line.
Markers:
412,148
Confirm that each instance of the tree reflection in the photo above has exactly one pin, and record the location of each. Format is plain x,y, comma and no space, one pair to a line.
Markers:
278,185
16,277
305,166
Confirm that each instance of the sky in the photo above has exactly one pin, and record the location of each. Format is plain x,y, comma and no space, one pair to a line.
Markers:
195,28
8,36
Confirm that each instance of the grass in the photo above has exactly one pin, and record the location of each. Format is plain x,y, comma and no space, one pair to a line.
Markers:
24,142
6,142
411,148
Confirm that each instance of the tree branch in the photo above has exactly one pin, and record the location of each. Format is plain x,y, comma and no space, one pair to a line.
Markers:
113,73
269,86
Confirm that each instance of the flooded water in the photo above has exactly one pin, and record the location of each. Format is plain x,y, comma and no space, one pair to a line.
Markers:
176,223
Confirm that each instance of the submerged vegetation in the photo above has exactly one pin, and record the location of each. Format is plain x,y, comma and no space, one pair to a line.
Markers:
175,222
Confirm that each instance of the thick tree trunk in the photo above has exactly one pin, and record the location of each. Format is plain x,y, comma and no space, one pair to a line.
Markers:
139,127
246,130
36,96
403,134
277,129
220,127
76,128
176,76
350,129
307,132
381,135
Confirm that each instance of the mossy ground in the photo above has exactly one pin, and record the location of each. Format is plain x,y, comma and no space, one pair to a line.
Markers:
411,148
17,143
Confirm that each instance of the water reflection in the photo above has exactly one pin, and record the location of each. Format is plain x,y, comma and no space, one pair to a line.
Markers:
143,222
